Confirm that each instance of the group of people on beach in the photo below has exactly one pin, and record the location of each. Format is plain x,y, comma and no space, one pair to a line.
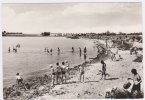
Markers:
14,49
59,74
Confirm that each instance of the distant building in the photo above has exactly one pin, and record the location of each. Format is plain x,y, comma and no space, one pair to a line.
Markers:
4,33
56,34
45,34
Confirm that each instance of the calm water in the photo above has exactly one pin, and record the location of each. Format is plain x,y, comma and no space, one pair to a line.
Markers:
31,56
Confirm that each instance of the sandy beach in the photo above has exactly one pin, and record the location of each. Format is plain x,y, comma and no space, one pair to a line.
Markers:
93,87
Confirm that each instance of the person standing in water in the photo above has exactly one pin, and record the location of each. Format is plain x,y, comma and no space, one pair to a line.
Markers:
51,51
72,49
85,50
58,49
9,50
85,57
80,51
103,69
47,50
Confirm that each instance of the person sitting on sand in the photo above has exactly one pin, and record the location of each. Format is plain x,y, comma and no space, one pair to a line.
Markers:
58,73
52,74
19,81
103,69
63,72
136,81
82,72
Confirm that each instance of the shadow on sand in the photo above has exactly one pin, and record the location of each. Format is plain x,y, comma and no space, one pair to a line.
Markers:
90,81
112,78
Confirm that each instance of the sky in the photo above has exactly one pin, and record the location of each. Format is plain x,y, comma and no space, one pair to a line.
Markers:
72,17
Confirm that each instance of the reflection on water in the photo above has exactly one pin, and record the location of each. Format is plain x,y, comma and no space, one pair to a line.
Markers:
32,55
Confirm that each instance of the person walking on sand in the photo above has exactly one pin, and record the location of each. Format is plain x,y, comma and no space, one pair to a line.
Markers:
59,73
52,74
51,50
82,72
136,82
103,69
19,81
63,72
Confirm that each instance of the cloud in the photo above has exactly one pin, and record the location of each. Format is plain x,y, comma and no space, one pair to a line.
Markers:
75,17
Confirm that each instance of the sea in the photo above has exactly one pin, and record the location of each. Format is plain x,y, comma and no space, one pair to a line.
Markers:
31,57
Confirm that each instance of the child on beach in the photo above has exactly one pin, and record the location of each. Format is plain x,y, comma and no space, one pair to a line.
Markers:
19,81
63,72
67,68
82,72
52,74
59,73
103,69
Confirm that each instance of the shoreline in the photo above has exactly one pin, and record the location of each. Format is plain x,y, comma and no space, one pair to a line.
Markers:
34,80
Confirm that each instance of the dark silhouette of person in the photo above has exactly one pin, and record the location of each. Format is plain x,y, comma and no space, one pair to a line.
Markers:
9,50
47,50
103,69
80,51
72,49
85,50
58,49
85,57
